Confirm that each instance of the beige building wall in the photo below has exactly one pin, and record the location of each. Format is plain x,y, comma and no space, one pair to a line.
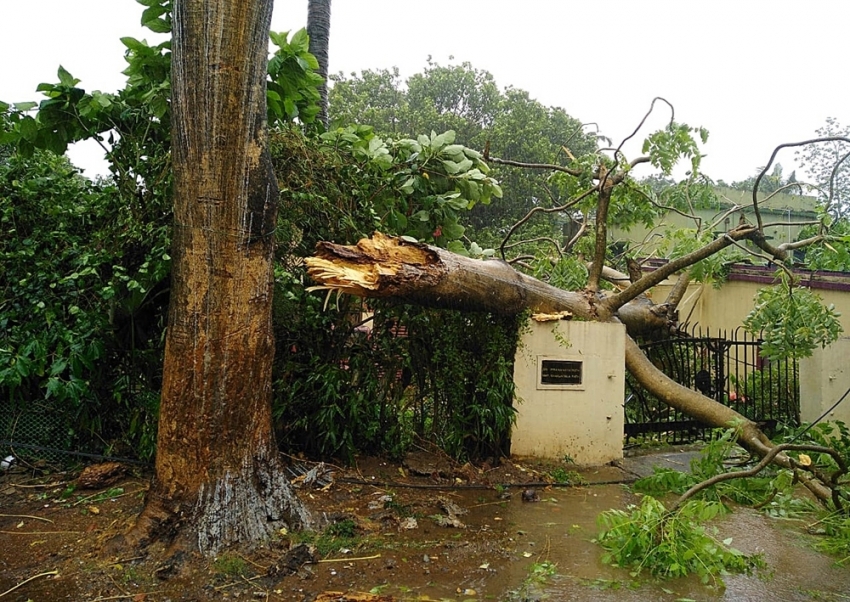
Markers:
727,307
824,378
581,420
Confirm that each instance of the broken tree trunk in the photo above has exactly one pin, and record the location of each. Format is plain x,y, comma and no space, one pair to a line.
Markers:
388,267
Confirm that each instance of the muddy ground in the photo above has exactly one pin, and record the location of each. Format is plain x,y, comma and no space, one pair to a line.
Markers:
425,529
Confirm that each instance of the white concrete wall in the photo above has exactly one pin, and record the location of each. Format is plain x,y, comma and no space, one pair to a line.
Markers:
824,378
583,421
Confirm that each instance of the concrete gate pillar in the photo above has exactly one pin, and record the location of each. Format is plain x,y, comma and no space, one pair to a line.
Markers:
570,379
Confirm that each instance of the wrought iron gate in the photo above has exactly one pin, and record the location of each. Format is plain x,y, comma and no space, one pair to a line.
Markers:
729,370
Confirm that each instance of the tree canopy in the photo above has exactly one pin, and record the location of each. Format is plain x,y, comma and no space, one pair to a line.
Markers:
459,97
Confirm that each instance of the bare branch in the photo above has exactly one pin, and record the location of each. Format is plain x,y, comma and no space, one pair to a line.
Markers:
537,239
670,208
674,297
645,117
813,222
791,145
582,229
534,210
832,180
790,246
554,167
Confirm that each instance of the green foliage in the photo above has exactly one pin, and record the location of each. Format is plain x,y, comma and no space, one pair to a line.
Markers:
792,321
539,574
834,253
337,536
467,101
230,565
80,309
339,389
567,273
671,544
713,269
665,147
293,87
427,183
771,490
832,528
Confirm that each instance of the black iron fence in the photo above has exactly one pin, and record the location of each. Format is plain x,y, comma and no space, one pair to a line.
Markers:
726,367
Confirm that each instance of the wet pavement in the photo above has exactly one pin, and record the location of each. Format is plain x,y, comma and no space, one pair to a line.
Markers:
560,528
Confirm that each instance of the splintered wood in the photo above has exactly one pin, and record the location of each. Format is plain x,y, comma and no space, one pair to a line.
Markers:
366,266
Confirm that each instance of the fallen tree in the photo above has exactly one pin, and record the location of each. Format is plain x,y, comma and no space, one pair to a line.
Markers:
391,267
400,268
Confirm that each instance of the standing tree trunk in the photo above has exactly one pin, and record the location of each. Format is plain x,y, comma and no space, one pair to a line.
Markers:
319,30
219,479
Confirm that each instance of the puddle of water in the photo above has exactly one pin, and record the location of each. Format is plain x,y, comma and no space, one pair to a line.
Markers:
560,527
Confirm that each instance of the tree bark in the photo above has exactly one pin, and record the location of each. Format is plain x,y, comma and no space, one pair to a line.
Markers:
319,30
384,266
219,479
389,267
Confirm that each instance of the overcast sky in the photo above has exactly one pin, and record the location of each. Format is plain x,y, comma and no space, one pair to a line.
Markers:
755,73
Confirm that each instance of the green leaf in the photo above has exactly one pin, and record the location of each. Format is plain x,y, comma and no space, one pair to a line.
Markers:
300,41
456,246
23,106
66,79
453,230
451,167
158,25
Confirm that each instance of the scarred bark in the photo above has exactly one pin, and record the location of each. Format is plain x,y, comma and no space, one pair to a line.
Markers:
390,267
219,479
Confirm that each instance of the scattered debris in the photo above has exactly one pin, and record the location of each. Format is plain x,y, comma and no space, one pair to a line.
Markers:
407,524
100,476
320,475
450,507
530,495
561,315
7,463
296,557
452,511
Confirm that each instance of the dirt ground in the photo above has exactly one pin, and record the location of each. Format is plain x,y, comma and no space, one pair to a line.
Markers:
423,529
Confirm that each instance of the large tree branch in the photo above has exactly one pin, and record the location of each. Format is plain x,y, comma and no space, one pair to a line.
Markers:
387,267
601,245
384,267
390,267
614,302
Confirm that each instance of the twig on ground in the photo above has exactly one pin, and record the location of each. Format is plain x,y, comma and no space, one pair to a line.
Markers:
40,532
46,520
25,581
326,560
